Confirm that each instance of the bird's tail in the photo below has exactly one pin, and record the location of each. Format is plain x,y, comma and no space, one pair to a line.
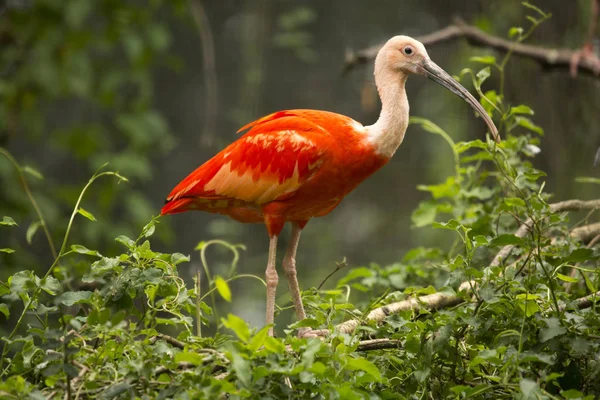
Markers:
176,206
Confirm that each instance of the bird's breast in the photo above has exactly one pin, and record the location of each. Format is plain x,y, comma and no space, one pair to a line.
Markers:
341,172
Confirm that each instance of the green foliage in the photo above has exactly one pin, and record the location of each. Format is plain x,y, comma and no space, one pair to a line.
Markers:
290,33
127,325
95,59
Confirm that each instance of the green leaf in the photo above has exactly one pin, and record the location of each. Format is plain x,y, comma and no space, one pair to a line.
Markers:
521,109
238,326
7,221
579,255
586,179
589,284
428,126
362,364
258,339
529,388
178,258
31,230
192,358
506,239
479,192
552,330
571,394
71,298
84,250
113,391
514,202
354,274
515,31
528,304
86,214
241,366
4,310
33,172
452,225
529,125
7,250
425,214
130,244
484,60
274,345
482,75
223,288
566,278
450,188
51,285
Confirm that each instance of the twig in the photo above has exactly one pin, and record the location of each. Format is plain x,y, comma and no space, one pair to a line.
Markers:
32,200
198,292
338,266
547,57
378,344
181,365
171,340
567,205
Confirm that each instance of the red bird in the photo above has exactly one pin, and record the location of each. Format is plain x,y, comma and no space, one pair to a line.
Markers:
295,165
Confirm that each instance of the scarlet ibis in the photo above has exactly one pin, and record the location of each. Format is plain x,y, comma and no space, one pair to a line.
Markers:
295,165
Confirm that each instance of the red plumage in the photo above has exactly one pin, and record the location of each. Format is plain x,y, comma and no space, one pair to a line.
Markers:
290,166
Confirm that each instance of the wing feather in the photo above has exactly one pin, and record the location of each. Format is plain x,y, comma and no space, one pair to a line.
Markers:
274,159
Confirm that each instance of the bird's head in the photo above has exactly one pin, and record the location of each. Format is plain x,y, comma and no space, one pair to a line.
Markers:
403,55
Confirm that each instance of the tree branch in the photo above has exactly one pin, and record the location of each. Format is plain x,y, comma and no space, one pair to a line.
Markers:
378,344
567,205
583,302
547,57
586,233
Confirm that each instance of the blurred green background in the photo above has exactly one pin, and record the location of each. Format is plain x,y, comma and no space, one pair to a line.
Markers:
156,87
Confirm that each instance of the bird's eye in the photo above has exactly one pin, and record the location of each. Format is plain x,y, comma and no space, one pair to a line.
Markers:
408,50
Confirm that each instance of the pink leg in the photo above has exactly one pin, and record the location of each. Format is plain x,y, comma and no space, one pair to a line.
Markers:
272,280
289,266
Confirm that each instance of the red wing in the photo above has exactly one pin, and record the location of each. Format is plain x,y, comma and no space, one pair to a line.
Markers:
279,154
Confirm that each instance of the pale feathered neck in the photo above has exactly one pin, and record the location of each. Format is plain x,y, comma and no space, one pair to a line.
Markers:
387,133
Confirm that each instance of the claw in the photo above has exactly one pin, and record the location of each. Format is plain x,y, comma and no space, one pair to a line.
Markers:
586,53
307,333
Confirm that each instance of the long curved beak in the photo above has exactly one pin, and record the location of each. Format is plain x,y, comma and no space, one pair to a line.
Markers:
438,75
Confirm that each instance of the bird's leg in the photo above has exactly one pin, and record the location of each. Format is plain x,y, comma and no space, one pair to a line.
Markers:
272,280
587,51
289,266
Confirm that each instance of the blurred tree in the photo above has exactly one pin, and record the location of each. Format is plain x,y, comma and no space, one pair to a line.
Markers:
76,79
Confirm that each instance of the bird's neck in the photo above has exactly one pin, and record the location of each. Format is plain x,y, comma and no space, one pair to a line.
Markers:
387,133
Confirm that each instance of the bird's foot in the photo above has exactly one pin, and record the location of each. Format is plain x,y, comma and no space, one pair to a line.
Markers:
306,333
586,53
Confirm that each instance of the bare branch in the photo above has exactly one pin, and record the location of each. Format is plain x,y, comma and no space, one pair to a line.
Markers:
338,266
431,302
567,205
378,344
586,233
547,57
583,302
171,340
